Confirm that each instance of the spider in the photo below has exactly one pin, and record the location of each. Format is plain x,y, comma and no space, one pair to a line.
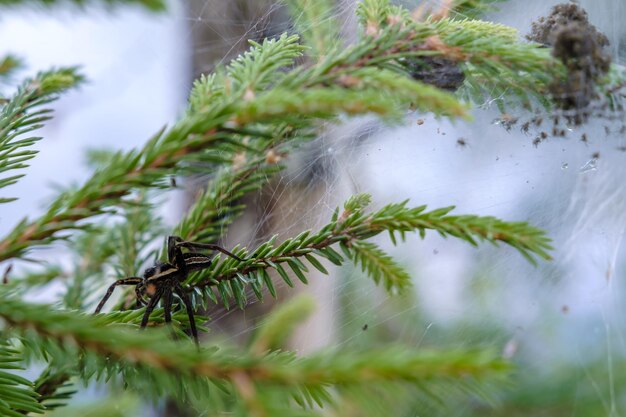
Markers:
164,278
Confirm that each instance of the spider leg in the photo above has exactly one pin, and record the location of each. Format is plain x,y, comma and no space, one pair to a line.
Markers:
139,292
151,305
168,299
192,321
196,261
172,250
123,281
209,246
167,304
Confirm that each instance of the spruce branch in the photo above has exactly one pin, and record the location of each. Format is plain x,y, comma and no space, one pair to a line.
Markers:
280,324
297,98
24,113
17,394
473,8
321,91
378,265
179,318
314,21
54,387
8,65
528,240
62,335
290,106
255,70
497,65
494,60
187,141
349,229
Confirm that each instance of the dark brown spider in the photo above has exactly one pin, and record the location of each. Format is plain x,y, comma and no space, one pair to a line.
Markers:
164,279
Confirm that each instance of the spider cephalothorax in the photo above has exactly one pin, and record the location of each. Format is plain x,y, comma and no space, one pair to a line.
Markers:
164,279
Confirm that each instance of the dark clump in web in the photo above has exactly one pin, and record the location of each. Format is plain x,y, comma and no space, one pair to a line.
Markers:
580,47
438,71
544,30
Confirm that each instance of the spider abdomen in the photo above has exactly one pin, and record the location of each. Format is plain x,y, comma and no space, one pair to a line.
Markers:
159,272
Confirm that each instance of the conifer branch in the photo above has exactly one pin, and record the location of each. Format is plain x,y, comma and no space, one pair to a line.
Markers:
186,142
179,318
281,322
494,61
349,230
17,394
473,8
62,336
54,388
255,70
8,65
315,23
378,265
320,91
23,113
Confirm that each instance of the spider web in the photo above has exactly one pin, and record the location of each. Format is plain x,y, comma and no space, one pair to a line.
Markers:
561,320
